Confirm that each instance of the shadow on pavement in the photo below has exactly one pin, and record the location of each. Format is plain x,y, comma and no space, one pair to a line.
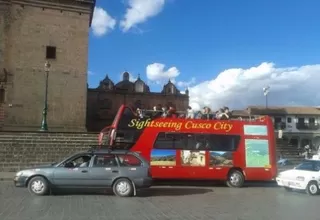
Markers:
177,191
210,183
165,191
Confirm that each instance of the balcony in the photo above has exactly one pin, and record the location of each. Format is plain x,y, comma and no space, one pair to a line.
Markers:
279,125
307,126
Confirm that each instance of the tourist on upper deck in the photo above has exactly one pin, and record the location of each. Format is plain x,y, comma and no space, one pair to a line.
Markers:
139,113
198,115
157,111
190,113
164,112
206,113
225,114
171,112
219,113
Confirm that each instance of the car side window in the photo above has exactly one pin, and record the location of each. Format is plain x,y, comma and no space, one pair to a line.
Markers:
129,160
317,166
105,160
81,161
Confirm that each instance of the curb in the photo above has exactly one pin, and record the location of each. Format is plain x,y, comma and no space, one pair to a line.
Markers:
5,179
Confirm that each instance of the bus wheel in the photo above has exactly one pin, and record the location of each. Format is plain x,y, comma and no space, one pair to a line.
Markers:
235,179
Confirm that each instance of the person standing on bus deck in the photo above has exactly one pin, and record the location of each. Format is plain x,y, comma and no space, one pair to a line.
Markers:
172,112
190,113
225,115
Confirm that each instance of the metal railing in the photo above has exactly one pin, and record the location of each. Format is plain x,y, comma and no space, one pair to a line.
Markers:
210,116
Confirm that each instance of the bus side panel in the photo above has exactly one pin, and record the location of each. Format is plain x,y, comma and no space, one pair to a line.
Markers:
258,173
272,148
144,146
263,173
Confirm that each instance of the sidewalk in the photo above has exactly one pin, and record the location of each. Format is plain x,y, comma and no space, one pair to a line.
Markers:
5,176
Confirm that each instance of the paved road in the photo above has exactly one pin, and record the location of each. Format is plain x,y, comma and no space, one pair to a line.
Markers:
161,203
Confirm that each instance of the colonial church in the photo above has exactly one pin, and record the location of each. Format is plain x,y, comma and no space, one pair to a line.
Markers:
104,101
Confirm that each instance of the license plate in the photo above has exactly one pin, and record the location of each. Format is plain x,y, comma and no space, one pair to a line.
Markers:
291,183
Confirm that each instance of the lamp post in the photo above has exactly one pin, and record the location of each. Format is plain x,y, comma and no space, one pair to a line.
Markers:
44,125
265,93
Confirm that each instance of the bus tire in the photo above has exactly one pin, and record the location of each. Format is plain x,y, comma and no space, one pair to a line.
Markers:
235,179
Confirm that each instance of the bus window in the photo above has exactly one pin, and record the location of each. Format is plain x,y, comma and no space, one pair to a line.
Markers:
193,141
223,142
167,140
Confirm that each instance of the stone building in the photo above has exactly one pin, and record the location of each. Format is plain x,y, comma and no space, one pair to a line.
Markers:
32,32
104,101
299,124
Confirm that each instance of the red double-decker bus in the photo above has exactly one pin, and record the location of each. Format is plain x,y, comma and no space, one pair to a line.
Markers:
178,148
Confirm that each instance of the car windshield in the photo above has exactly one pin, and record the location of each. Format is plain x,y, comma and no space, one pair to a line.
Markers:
308,165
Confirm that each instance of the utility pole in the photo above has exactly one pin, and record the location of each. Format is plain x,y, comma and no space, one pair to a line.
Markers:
266,91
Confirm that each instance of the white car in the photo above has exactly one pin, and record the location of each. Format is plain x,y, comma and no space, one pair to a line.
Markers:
305,176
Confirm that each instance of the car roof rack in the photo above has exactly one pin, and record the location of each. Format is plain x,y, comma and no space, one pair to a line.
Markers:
94,148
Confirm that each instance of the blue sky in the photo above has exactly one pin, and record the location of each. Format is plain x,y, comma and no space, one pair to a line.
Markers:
247,44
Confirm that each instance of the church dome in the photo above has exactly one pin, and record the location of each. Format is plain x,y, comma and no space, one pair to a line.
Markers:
140,86
106,83
125,84
170,88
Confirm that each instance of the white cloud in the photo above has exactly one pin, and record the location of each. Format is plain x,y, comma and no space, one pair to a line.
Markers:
90,73
102,22
238,88
183,84
156,72
139,11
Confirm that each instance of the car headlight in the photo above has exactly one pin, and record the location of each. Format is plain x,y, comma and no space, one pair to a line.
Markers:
24,173
300,178
20,173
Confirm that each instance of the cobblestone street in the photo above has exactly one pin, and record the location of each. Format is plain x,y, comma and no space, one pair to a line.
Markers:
161,202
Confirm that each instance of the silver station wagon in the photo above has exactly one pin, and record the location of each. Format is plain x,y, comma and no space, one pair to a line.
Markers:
123,171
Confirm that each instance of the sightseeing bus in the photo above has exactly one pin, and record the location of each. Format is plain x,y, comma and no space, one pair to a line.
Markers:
233,151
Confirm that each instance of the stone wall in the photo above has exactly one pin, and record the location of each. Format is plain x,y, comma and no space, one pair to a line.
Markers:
21,150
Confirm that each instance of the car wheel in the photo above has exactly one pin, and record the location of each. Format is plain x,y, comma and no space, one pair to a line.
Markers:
312,188
123,188
235,179
38,186
287,188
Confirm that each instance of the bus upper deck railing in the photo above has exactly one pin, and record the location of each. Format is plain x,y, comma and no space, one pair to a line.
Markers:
210,116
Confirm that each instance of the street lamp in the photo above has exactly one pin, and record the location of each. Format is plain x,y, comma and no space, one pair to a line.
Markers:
265,93
44,125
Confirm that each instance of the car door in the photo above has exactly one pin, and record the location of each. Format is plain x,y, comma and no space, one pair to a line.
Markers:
66,175
132,167
104,170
